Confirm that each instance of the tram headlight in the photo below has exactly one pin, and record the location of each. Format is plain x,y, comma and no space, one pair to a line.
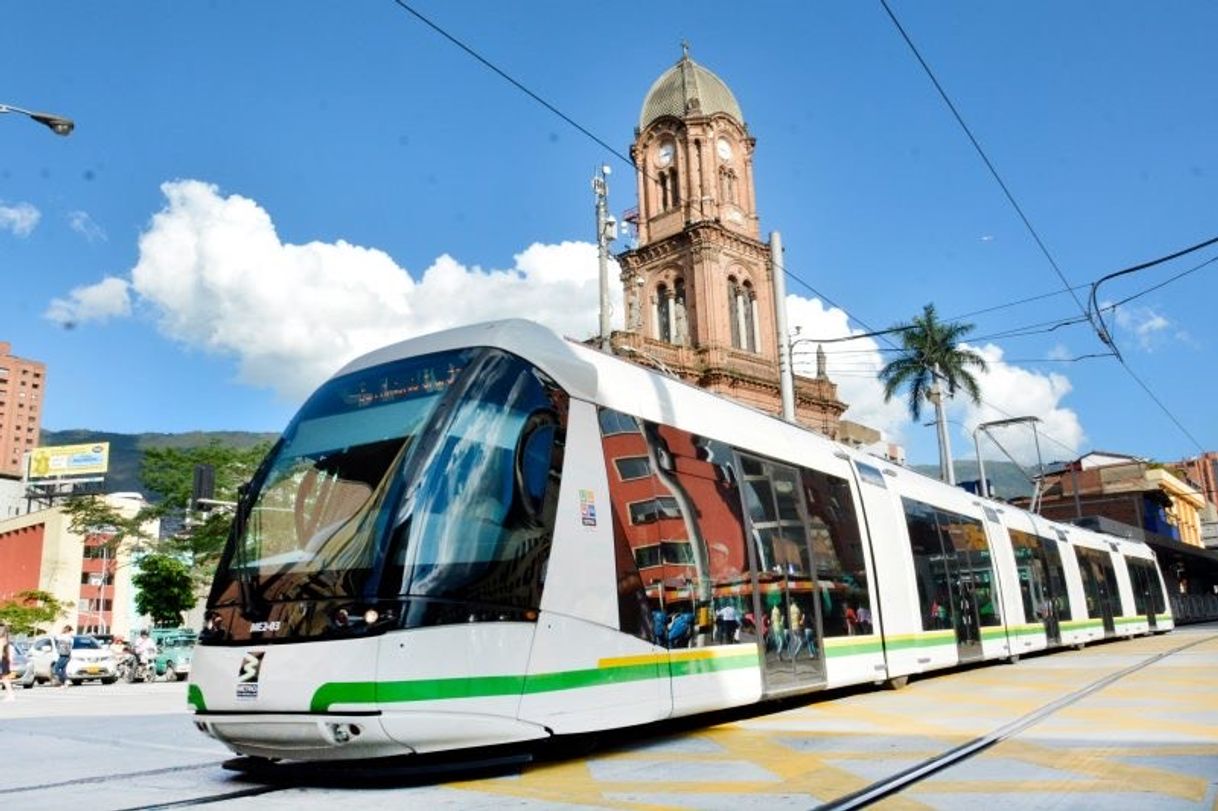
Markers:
371,616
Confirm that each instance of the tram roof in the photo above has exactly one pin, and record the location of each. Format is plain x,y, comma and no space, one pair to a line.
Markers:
588,374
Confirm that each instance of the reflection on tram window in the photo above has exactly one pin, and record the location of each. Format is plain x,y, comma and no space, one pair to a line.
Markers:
478,524
1099,584
313,517
871,475
837,548
954,572
1041,580
679,536
632,467
1147,591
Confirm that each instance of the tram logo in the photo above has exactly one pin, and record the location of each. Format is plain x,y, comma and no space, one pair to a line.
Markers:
251,667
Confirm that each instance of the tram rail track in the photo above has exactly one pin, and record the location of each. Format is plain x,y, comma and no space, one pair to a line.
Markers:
907,778
257,778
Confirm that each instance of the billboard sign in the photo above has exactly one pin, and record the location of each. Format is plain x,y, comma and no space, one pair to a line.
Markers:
56,461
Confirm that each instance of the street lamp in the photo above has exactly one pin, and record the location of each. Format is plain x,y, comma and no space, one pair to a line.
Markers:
56,123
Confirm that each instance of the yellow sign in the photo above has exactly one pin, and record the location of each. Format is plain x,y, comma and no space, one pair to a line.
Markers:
69,460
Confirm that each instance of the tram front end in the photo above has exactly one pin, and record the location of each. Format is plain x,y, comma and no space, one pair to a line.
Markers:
380,588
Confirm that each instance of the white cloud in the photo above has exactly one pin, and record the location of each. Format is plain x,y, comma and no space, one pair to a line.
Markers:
21,218
1146,326
215,275
83,224
852,365
1021,392
100,302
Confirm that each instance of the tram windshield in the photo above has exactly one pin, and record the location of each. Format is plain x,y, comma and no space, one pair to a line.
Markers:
425,477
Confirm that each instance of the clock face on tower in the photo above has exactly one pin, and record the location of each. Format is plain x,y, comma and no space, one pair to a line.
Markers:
724,149
665,153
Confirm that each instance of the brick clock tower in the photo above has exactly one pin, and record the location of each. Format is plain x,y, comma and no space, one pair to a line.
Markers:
698,290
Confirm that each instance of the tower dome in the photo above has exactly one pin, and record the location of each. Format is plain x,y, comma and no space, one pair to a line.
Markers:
687,88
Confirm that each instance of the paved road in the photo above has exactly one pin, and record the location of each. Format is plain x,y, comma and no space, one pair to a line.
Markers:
1145,739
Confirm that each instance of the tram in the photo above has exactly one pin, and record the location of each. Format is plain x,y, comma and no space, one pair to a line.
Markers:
493,535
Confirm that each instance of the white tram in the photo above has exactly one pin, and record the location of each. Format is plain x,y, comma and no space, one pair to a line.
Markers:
494,535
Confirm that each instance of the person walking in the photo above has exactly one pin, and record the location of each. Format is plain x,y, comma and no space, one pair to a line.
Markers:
63,646
7,655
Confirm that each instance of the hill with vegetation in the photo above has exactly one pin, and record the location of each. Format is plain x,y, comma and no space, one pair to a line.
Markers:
125,449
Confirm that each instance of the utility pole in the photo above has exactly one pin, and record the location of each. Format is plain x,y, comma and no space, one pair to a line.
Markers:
606,230
786,374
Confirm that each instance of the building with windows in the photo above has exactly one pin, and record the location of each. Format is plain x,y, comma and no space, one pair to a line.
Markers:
698,286
22,388
39,551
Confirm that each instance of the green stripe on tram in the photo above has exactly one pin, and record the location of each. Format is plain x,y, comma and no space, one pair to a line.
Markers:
194,698
369,692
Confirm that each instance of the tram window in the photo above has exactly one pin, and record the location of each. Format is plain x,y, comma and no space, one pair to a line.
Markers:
952,565
1033,575
681,561
615,422
1138,584
1099,582
837,550
477,527
1057,579
871,475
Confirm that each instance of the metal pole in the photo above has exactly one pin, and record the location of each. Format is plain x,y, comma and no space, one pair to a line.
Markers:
785,373
985,489
600,186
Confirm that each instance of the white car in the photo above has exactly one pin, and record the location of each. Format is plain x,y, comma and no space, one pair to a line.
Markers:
90,660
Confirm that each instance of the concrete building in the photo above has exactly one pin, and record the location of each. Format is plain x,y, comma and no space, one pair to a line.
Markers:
12,496
1129,490
22,388
1202,471
38,551
698,287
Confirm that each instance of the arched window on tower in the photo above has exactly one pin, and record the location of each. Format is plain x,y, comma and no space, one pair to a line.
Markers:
670,192
733,311
727,185
748,301
663,313
680,320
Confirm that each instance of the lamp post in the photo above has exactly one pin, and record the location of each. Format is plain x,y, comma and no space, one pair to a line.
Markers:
606,230
56,123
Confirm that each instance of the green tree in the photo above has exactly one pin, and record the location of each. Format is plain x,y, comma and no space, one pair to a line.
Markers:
33,612
930,358
165,589
94,516
169,473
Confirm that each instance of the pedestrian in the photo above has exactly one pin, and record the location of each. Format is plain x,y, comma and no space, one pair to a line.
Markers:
8,654
63,646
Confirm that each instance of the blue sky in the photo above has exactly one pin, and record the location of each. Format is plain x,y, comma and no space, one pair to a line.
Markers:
256,192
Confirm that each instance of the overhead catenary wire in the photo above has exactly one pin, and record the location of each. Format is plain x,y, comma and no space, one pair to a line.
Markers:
872,332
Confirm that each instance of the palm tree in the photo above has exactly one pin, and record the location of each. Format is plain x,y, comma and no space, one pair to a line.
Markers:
931,356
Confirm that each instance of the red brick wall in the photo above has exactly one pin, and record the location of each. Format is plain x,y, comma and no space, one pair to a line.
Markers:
20,559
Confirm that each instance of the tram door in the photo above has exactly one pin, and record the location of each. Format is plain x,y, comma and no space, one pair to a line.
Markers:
1144,583
1055,596
1099,586
955,578
786,610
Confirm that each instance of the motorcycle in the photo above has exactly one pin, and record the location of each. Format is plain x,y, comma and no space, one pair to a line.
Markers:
132,669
